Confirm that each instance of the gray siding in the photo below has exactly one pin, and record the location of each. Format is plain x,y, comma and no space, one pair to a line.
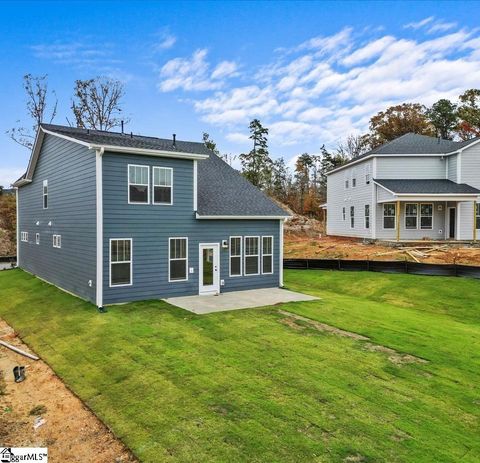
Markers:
410,167
70,171
437,233
452,167
150,227
470,173
339,197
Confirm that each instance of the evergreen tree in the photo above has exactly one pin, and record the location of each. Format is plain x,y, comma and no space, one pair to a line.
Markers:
469,113
444,117
210,144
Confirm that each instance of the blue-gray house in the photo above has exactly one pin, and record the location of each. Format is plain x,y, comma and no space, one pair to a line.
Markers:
114,217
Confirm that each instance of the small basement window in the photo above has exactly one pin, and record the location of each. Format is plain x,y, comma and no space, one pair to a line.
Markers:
138,184
162,185
235,256
121,262
267,255
252,255
178,259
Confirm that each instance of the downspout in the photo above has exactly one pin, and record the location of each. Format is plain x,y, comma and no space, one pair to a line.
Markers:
280,253
99,216
18,227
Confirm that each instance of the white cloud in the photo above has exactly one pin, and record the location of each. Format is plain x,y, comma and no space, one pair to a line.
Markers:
238,137
328,87
166,41
194,73
441,27
8,176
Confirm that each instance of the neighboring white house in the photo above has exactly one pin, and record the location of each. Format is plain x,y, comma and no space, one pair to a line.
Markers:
414,187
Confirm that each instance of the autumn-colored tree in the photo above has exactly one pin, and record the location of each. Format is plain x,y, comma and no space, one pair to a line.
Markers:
469,114
396,121
444,117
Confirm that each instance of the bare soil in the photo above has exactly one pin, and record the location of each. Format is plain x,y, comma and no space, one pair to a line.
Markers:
71,431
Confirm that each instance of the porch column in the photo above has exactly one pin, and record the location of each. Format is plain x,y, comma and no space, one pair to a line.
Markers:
474,220
397,218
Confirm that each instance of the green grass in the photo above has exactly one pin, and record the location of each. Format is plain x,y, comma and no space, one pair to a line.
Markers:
242,386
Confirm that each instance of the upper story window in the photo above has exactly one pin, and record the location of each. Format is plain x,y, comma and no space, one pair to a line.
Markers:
354,178
346,183
138,184
57,241
162,185
389,216
235,256
368,174
426,216
45,194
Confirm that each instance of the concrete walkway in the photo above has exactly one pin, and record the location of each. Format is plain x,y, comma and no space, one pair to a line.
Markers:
235,300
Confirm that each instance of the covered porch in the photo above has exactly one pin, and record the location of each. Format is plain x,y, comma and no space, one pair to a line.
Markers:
417,210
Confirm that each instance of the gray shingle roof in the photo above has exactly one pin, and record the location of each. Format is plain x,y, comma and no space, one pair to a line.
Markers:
221,189
99,137
430,186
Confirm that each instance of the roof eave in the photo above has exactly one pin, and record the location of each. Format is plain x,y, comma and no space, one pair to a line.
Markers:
149,152
241,217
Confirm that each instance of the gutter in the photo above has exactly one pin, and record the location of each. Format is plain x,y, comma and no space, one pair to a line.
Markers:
241,217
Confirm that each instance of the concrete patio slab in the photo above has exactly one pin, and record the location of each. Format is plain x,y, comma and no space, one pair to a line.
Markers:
235,300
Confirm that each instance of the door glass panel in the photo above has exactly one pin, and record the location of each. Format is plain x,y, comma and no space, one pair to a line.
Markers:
207,267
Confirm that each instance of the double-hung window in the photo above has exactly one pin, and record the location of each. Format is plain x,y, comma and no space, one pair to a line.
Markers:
162,185
267,255
235,256
426,216
37,238
178,259
45,194
57,241
138,184
389,216
477,214
346,183
352,216
367,215
411,216
252,255
121,262
24,236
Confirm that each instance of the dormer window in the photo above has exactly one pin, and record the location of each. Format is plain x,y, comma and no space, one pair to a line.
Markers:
45,194
162,185
138,184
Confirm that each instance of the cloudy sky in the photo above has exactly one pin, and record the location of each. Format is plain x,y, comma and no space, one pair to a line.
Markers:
312,72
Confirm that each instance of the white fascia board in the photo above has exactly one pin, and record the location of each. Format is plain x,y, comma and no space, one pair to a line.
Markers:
21,182
241,217
149,152
384,187
430,198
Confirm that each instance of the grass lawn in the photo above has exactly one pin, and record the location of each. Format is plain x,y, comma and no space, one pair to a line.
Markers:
244,386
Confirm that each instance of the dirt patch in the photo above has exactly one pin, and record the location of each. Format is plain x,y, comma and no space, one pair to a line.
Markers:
70,430
299,245
398,358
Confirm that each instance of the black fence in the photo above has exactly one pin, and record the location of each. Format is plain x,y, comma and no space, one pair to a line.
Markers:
414,268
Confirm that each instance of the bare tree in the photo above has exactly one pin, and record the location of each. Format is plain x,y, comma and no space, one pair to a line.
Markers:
36,88
97,103
352,147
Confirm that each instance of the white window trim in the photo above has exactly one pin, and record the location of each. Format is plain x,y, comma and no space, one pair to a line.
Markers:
119,262
141,184
24,236
45,184
153,185
394,217
37,238
350,216
251,255
57,241
230,257
183,258
405,216
420,212
267,273
365,217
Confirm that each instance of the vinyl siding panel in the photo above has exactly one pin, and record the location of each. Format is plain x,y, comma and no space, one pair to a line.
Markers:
70,171
338,197
452,167
151,226
410,167
470,166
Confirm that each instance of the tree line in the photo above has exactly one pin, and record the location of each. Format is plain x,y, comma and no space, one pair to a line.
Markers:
303,188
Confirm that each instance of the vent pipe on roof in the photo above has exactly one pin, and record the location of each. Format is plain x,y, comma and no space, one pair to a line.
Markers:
174,140
131,134
122,127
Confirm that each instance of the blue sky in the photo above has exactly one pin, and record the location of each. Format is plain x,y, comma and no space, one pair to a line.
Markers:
313,72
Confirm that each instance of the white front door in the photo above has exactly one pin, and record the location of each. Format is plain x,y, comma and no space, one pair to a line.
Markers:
209,268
